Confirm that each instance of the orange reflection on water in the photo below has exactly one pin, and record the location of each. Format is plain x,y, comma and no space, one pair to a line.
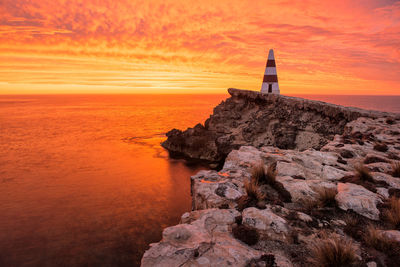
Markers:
83,179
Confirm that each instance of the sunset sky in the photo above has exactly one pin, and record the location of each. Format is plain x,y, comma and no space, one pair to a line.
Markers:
128,46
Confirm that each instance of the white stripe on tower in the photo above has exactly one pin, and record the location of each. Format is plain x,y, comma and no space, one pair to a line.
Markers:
270,81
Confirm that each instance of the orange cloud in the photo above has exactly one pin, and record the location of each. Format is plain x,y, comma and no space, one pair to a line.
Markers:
333,47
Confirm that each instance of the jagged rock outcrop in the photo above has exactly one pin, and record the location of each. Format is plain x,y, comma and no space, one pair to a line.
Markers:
336,191
250,118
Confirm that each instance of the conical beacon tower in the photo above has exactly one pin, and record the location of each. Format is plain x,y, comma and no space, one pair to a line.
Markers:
270,82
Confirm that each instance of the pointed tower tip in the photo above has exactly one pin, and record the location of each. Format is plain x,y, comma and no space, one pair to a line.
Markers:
271,54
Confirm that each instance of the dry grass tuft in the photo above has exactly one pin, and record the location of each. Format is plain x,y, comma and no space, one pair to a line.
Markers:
270,175
392,213
246,234
363,173
375,239
396,169
252,197
309,205
258,173
262,176
381,147
332,252
327,197
253,191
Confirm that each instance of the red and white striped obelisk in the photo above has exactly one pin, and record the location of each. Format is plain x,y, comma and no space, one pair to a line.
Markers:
270,82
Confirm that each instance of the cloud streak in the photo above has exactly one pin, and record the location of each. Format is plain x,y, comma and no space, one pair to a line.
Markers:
337,47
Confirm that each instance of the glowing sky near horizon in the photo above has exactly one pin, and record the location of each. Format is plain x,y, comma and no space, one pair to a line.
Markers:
125,46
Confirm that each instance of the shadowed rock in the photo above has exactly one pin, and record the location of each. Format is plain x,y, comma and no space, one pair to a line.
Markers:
254,119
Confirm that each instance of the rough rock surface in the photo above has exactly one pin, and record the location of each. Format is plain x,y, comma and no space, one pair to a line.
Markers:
297,207
265,221
357,198
205,241
250,118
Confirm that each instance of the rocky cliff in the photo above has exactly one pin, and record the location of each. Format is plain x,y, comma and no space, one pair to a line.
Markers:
270,206
249,118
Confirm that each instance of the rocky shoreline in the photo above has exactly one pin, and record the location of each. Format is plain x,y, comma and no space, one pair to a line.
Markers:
301,179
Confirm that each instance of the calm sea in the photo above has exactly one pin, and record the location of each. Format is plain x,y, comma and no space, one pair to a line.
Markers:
84,181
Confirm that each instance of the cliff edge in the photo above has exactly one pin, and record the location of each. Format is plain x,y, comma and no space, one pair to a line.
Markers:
304,183
250,118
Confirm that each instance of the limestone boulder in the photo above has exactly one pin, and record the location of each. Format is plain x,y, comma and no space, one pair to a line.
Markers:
212,190
205,241
360,200
266,223
392,235
298,189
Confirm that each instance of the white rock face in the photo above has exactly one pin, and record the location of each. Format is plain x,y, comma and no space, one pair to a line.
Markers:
204,237
392,235
358,199
266,222
206,241
299,190
212,190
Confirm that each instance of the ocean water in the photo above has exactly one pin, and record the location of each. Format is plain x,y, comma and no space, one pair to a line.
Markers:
84,180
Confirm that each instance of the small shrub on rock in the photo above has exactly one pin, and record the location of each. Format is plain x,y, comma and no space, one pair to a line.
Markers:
375,239
262,176
270,175
327,197
392,213
381,147
309,205
267,260
396,169
333,252
253,191
258,173
362,173
352,226
390,121
252,197
246,234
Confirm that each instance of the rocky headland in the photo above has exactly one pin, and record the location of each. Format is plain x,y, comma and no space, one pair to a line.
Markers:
303,183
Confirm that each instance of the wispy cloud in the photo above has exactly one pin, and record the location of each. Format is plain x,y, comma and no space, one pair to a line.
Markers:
321,46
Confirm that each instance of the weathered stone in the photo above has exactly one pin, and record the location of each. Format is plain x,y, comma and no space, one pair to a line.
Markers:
205,241
266,222
382,192
299,190
304,217
357,198
250,118
392,235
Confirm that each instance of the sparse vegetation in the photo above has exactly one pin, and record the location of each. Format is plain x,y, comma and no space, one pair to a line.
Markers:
252,197
375,239
381,147
327,197
262,176
267,260
333,252
258,173
309,205
246,234
396,169
392,213
352,226
270,176
363,174
390,121
253,191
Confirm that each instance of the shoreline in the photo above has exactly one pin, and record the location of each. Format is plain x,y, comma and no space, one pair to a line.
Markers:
308,192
